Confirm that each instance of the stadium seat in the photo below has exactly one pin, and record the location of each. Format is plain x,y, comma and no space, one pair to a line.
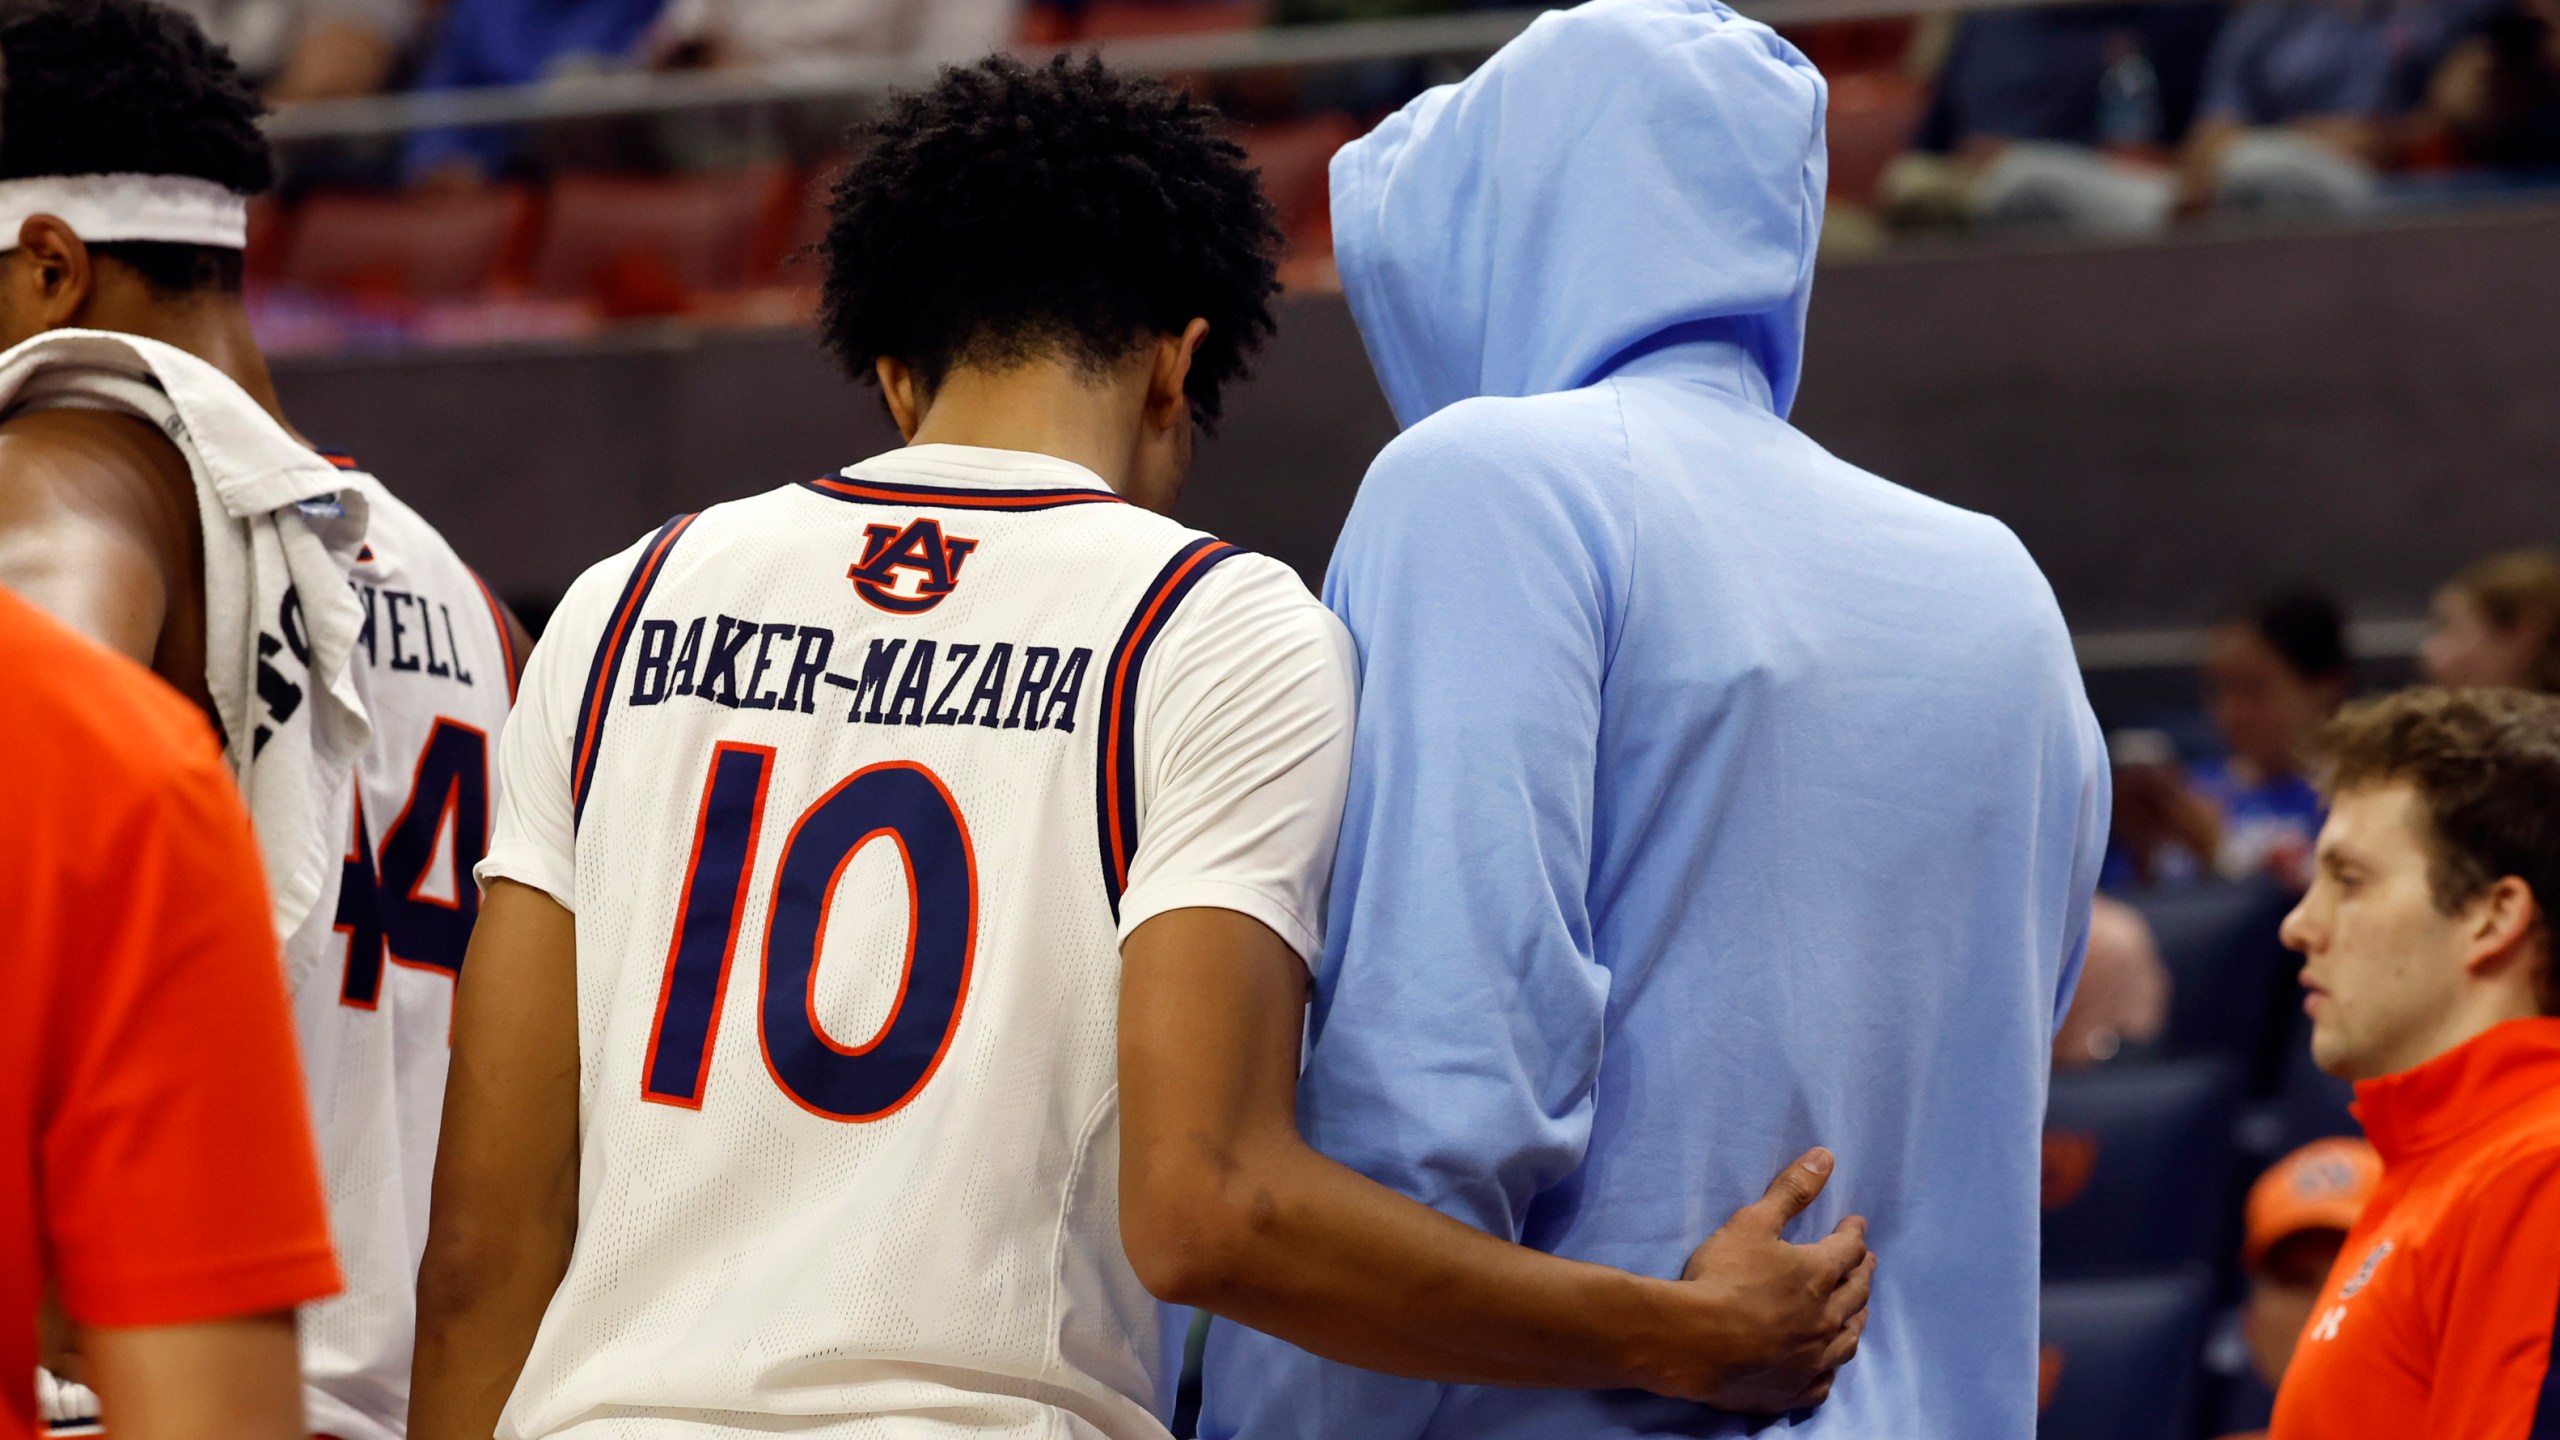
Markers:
270,230
2310,1103
1141,19
2137,1166
648,245
2121,1356
2225,964
1295,161
428,245
2244,1405
808,226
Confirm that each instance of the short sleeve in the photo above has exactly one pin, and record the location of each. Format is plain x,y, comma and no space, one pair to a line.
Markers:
534,838
1244,750
180,1182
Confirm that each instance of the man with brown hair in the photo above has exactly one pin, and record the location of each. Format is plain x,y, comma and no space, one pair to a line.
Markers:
2427,945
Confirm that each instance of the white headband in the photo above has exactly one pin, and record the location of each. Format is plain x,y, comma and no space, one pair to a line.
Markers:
103,209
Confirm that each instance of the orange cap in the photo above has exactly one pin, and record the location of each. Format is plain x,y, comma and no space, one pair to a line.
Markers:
2322,1186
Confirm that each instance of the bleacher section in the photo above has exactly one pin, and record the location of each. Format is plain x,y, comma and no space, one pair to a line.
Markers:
2147,1159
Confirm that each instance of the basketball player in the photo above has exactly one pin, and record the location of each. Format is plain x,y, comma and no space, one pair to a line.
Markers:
904,886
357,670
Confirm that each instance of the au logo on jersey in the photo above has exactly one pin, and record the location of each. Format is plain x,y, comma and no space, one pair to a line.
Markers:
909,571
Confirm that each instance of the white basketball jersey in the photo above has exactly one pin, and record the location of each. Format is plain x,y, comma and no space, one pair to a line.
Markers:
855,788
436,669
374,963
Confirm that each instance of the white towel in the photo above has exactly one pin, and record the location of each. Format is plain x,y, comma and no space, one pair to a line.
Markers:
281,530
65,1408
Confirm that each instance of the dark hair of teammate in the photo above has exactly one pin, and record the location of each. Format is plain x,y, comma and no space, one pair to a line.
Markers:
99,87
2306,628
1010,212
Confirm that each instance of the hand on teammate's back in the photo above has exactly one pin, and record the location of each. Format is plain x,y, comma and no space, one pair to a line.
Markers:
1778,1320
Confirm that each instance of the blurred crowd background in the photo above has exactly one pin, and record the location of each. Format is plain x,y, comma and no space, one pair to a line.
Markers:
2243,315
2099,119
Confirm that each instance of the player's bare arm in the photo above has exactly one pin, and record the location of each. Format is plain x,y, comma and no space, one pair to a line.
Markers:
97,528
219,1380
1225,1206
505,1205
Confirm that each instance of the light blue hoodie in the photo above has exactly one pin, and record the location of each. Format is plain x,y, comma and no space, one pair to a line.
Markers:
1712,799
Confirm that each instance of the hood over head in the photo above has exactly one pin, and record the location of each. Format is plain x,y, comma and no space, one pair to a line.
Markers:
1624,176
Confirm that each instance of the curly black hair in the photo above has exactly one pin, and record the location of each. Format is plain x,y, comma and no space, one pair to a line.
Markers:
1012,211
96,87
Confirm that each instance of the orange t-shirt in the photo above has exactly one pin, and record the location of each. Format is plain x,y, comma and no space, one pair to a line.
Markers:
2437,1321
156,1161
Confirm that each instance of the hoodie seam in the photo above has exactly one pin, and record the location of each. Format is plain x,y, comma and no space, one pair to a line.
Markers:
1633,522
1808,236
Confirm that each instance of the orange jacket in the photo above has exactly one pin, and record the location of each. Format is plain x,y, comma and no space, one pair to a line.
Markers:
155,1153
2437,1322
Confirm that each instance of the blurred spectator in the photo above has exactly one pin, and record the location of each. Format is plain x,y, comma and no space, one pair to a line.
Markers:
311,49
2497,623
2094,76
2306,101
2123,997
2272,675
509,42
2497,96
2298,1215
2055,117
2028,100
757,32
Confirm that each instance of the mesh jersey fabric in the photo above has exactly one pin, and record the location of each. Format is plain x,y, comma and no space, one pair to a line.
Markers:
374,961
1117,716
436,669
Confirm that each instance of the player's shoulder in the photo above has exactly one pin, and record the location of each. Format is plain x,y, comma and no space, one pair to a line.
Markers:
400,543
1509,464
391,517
82,711
1248,582
1497,444
1254,612
588,604
94,452
2526,1156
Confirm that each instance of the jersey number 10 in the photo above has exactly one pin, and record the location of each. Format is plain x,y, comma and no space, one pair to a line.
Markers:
900,802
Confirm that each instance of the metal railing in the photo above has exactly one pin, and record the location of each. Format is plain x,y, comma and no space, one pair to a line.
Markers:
1464,37
2179,649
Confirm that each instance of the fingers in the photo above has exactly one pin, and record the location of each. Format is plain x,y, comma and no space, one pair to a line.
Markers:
1844,1348
1794,1189
1850,1299
1813,1394
1839,1252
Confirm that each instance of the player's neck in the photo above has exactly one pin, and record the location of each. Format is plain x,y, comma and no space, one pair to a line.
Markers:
1044,408
212,329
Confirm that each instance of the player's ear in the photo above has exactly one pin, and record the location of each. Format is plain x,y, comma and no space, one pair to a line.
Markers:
54,272
2506,927
1167,398
906,399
